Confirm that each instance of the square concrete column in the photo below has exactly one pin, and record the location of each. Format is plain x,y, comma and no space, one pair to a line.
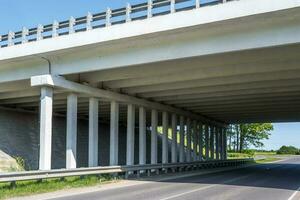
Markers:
212,143
195,141
71,131
142,136
200,139
93,131
165,148
217,143
189,139
114,133
46,110
154,124
181,135
207,142
174,138
221,144
130,134
225,143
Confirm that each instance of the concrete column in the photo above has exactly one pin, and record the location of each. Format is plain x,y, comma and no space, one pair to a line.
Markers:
195,141
130,134
71,131
46,110
181,134
174,138
221,144
217,143
154,124
189,143
207,142
142,136
165,125
200,139
225,144
212,146
93,132
114,133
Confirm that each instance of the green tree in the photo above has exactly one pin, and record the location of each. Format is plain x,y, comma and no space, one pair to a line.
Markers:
288,150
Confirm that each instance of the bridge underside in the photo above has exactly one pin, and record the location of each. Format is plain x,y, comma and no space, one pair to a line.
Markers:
259,85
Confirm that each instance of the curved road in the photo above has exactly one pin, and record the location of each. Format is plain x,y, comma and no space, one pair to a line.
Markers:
277,181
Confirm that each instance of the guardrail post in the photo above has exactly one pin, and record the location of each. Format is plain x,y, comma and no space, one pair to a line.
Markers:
10,40
114,133
39,31
197,3
89,19
25,32
128,12
174,138
172,6
55,26
46,128
72,23
149,10
71,131
165,145
108,17
93,131
142,136
181,134
154,124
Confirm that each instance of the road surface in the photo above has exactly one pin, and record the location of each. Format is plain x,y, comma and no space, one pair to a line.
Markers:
276,181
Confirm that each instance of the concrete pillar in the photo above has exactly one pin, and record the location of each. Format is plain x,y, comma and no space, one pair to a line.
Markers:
130,134
46,110
217,143
142,136
221,144
225,143
212,146
154,124
174,138
189,143
200,139
165,125
93,132
195,141
114,133
207,142
181,134
71,131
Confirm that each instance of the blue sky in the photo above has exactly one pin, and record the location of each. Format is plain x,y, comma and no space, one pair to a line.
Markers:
18,13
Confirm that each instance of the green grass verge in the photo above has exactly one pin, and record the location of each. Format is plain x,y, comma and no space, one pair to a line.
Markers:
268,160
26,188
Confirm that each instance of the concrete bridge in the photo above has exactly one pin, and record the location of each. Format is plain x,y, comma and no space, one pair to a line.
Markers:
187,66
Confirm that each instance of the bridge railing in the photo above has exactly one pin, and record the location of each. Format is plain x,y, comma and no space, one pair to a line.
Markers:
110,17
135,169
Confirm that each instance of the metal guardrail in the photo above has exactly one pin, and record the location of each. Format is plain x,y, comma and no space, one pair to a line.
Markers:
62,173
110,17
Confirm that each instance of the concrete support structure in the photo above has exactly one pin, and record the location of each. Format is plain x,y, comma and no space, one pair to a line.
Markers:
174,139
211,145
46,110
154,124
225,143
189,140
221,144
93,132
130,134
217,143
195,140
71,153
114,133
181,135
200,140
165,126
206,142
142,136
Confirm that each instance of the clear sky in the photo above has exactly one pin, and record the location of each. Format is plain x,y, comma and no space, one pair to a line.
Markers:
18,13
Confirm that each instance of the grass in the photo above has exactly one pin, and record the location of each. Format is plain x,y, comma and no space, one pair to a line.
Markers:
26,188
268,160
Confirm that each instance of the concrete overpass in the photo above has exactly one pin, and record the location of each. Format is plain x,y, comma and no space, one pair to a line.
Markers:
199,65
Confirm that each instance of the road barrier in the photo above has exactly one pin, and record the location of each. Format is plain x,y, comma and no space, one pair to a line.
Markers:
126,170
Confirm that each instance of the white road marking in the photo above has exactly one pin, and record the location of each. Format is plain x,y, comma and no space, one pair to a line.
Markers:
203,188
294,194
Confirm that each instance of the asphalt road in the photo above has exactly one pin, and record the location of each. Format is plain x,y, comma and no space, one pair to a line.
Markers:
277,181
